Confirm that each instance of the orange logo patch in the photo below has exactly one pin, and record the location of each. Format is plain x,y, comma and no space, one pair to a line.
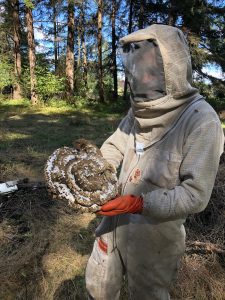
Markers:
135,176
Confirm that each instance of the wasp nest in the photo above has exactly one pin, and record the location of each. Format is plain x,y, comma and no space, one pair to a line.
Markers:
81,176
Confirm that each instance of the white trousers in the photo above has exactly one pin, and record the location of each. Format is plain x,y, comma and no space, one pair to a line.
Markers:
149,258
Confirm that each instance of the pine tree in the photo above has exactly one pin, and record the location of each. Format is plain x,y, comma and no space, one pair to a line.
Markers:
17,89
114,64
70,50
31,52
100,67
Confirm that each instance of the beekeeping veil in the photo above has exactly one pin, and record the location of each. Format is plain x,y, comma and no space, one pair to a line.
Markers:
144,69
158,67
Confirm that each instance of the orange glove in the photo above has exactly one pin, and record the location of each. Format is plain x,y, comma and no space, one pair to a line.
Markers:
127,204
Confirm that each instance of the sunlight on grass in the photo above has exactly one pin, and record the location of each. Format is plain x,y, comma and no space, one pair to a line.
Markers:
15,117
223,124
112,110
52,110
11,136
29,134
11,102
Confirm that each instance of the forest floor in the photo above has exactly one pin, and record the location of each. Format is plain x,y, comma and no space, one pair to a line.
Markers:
44,245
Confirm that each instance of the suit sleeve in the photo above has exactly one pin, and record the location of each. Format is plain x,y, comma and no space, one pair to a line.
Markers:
113,148
198,170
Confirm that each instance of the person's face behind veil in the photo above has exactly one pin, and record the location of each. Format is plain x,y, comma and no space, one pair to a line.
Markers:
144,69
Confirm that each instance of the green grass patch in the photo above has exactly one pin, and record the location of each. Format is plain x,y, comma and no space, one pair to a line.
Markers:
29,134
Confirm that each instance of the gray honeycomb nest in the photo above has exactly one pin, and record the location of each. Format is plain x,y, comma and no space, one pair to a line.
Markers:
81,176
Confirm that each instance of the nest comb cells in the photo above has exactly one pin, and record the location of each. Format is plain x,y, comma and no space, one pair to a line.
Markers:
81,177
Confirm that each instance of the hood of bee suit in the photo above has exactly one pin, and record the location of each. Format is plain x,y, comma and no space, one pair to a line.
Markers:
158,67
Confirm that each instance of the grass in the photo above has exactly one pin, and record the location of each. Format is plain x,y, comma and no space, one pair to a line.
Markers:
30,134
44,246
48,260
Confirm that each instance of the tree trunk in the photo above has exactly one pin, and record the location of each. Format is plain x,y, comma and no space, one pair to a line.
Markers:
114,65
129,31
85,69
83,45
55,37
79,48
31,55
17,89
141,14
58,40
172,16
100,68
70,50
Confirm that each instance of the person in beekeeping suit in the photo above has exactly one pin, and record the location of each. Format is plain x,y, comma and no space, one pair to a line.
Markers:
169,145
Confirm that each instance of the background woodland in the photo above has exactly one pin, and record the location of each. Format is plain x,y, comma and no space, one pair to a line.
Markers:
61,79
68,49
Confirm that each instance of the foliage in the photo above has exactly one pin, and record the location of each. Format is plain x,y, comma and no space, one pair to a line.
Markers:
108,86
29,3
49,85
201,21
213,93
91,91
6,77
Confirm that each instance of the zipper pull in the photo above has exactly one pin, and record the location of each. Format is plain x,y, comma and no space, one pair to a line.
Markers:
139,148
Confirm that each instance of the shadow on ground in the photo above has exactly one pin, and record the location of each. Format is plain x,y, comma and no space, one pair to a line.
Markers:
29,137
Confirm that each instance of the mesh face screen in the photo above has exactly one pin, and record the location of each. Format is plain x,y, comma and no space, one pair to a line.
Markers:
144,69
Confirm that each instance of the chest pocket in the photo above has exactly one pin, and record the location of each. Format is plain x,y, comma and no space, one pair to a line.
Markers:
162,169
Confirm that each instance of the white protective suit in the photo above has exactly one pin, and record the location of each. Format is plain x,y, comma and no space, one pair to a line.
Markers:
170,149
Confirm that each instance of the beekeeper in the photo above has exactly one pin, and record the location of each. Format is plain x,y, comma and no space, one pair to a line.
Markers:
169,144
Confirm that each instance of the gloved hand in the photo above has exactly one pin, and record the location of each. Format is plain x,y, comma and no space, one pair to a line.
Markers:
122,205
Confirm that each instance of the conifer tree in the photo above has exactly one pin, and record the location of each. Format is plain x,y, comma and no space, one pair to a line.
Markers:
31,51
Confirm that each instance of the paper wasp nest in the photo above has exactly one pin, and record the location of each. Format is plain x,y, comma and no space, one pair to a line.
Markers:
81,176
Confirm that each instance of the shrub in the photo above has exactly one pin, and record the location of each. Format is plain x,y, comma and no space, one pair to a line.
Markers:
6,78
49,85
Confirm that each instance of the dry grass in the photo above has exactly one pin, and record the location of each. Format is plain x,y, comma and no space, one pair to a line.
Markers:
44,246
200,278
